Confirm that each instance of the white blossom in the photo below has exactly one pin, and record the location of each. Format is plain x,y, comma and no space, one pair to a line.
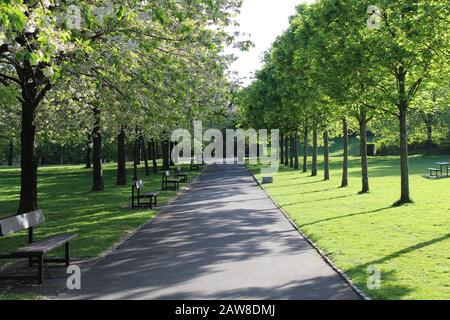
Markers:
48,72
46,3
15,47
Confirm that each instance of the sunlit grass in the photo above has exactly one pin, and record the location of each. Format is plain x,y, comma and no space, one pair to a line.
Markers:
100,218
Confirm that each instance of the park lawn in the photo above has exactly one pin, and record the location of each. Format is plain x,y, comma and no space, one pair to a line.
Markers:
101,219
410,244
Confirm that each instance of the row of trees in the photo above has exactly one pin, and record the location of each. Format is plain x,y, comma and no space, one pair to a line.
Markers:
73,71
344,65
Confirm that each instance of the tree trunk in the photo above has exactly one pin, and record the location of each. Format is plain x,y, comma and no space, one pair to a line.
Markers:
296,162
282,149
31,98
404,165
286,150
136,155
291,151
28,163
158,148
97,182
121,159
88,152
345,160
326,155
165,155
305,149
172,144
149,151
11,153
429,138
154,155
138,150
403,110
145,156
363,151
315,152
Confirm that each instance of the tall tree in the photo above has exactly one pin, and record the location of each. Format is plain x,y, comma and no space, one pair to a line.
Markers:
121,158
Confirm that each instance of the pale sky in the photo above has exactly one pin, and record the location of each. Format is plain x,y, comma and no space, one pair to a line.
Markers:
264,20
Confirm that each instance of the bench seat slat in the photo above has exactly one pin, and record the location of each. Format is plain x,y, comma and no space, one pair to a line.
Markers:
44,246
151,194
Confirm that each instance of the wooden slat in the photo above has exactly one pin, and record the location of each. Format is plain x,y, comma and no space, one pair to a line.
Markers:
44,246
148,194
21,222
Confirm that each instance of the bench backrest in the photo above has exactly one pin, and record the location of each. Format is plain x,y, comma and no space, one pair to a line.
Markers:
21,222
139,184
165,176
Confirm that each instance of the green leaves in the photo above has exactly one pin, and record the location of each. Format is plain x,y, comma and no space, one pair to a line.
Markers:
330,63
161,16
11,15
157,66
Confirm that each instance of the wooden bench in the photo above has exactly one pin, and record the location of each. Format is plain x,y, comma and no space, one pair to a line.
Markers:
137,195
182,176
166,181
435,171
35,250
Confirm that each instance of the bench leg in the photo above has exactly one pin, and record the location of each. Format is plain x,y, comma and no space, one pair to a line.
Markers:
67,254
156,199
40,272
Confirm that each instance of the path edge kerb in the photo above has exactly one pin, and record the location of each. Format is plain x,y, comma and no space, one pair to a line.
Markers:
341,273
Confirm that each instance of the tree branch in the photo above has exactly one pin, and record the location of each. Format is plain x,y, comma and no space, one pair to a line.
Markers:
6,77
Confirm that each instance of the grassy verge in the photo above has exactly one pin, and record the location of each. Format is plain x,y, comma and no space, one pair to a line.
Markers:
100,218
410,245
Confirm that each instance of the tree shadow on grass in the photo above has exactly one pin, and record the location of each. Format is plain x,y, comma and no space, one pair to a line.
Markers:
405,251
389,288
294,185
298,193
317,200
345,216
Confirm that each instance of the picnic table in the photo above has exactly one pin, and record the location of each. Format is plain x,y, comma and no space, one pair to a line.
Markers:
442,165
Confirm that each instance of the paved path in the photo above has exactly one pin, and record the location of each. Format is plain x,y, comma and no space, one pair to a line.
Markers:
223,240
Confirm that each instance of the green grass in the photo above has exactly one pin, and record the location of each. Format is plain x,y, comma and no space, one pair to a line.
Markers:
409,244
100,218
